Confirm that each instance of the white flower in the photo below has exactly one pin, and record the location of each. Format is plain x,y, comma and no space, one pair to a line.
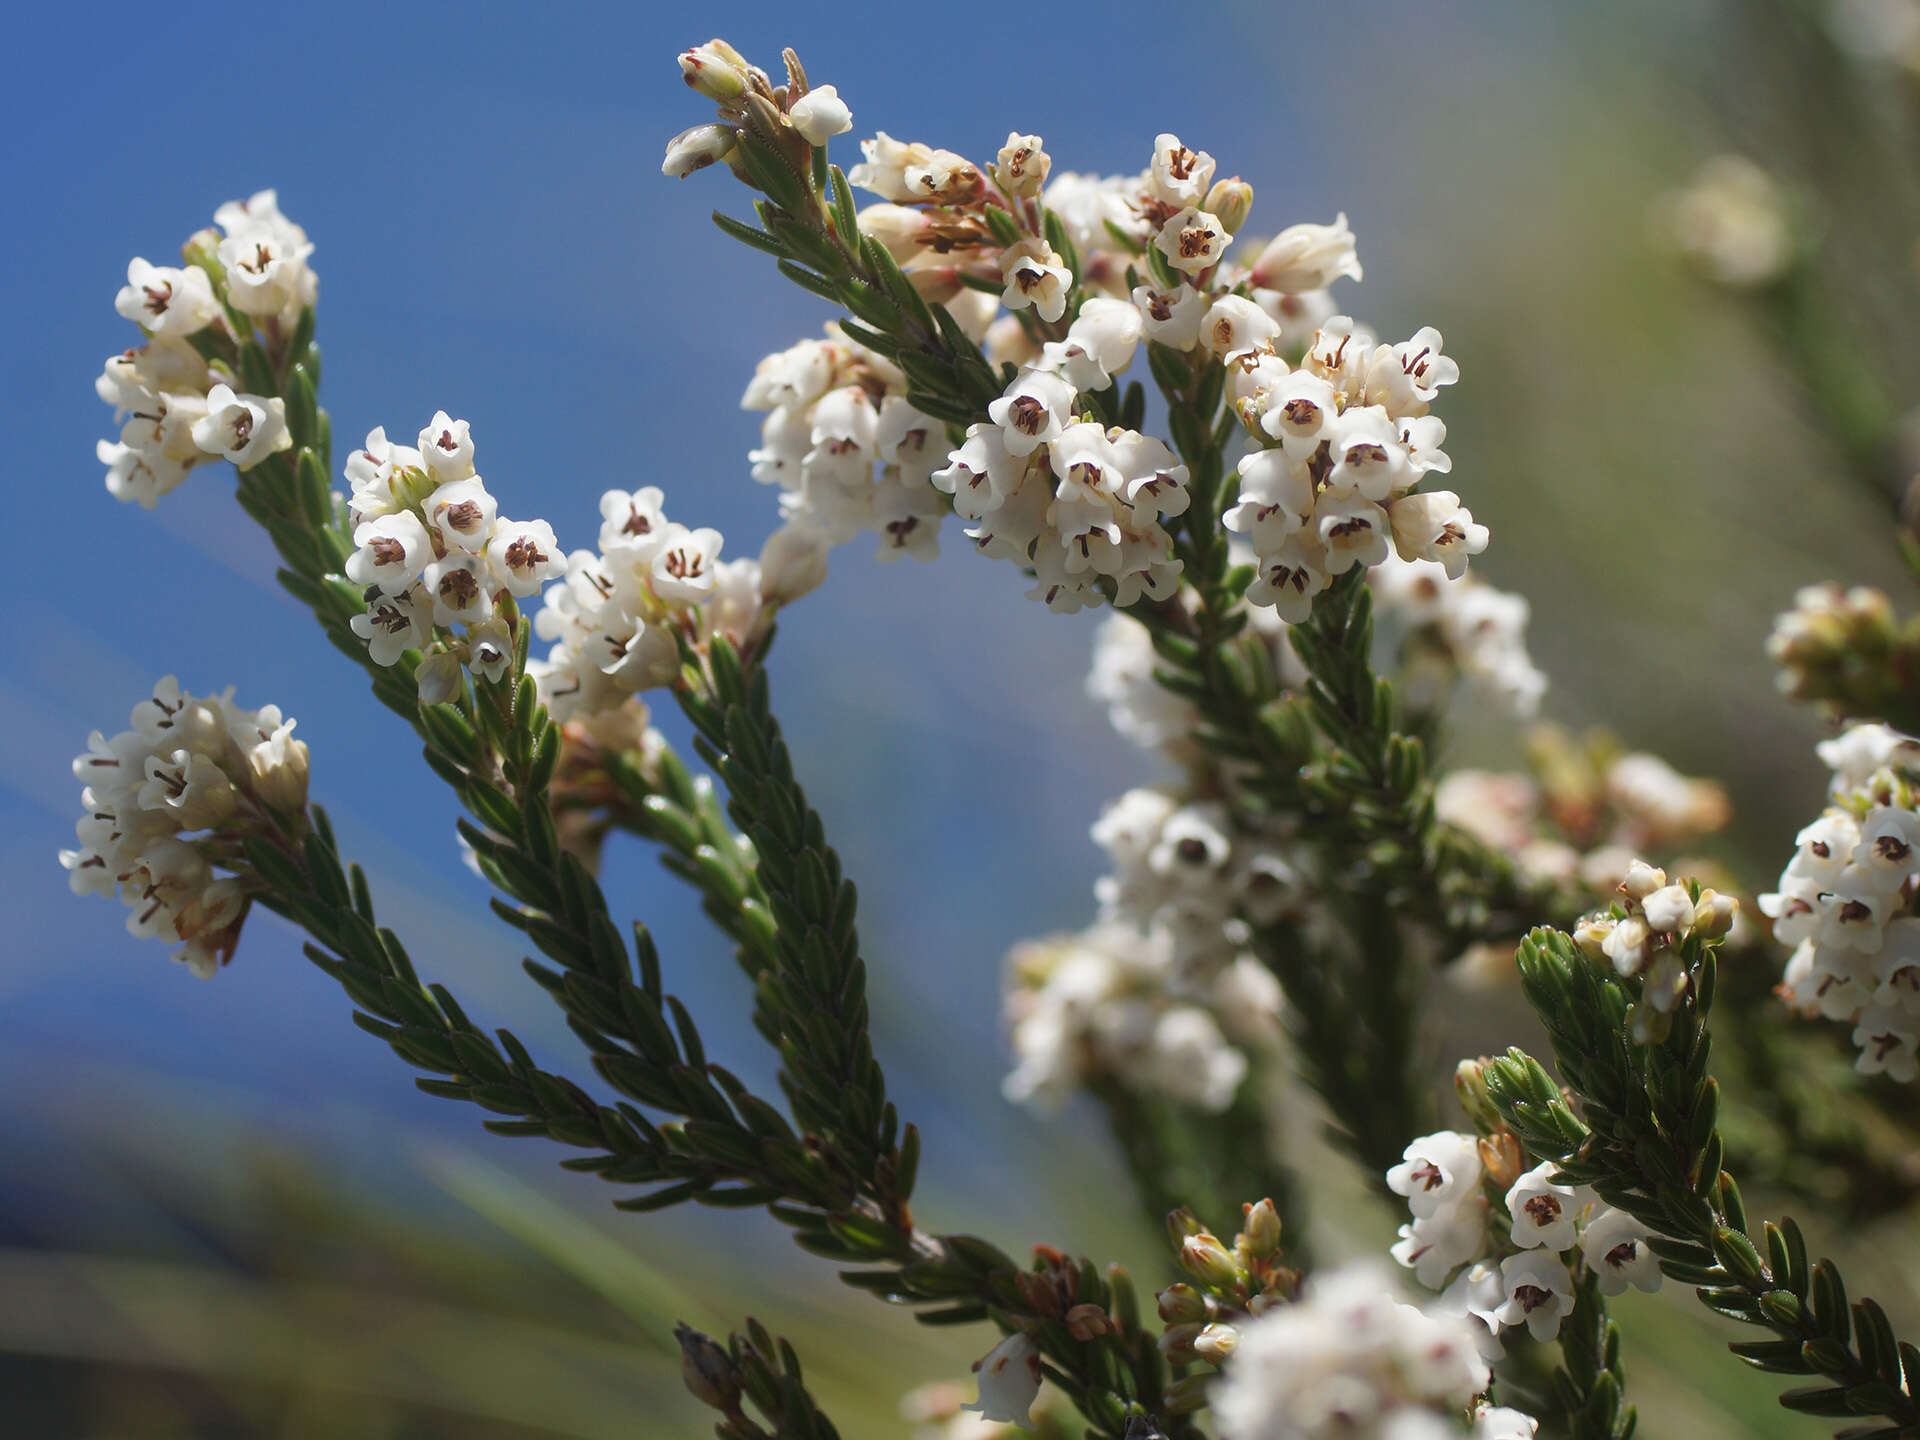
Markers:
1022,165
242,428
1300,413
1171,317
1009,1381
446,445
463,512
1189,1059
523,556
1291,576
264,272
1668,909
490,649
1616,1251
392,552
1503,1422
1035,276
1437,1172
167,301
1307,257
1193,240
1542,1211
1539,1292
1099,344
461,587
393,625
632,524
820,114
1888,1040
1032,411
682,570
1179,177
1433,1246
1235,326
792,562
1353,530
1434,525
1860,750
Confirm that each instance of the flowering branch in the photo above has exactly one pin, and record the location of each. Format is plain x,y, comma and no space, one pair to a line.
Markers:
756,1369
1646,1139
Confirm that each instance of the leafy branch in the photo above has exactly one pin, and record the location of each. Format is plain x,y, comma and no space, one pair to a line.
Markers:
1646,1138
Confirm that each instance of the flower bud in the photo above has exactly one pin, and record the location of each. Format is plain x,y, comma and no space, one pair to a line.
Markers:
1713,917
279,767
1260,1230
708,1370
792,563
1181,1304
1470,1085
1207,1260
1501,1158
935,284
1183,1397
696,149
1231,200
1215,1343
1176,1343
1307,257
202,249
438,677
1084,1322
716,70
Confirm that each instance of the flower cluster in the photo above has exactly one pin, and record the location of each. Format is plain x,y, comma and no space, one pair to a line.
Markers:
178,393
1458,624
1347,1359
1230,1285
1585,812
433,552
169,804
1161,992
1843,650
1641,933
618,619
1501,1245
1139,707
1844,900
1344,437
848,451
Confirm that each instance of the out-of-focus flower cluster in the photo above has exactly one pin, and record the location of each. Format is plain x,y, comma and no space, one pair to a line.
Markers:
1585,810
1844,651
1162,993
1845,899
1347,1359
170,803
1457,624
1731,223
1503,1246
180,394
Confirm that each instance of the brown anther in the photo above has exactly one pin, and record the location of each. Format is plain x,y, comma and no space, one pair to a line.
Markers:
465,516
1622,1254
1543,1210
1532,1297
243,429
387,550
1028,415
524,554
1300,411
159,297
1160,307
637,523
446,441
1194,241
459,589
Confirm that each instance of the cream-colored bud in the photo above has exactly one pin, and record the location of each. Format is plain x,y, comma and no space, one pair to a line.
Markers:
1216,1342
1232,201
438,678
1181,1304
1260,1230
1207,1260
793,562
696,149
716,70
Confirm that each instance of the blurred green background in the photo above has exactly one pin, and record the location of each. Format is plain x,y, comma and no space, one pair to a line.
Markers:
224,1211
